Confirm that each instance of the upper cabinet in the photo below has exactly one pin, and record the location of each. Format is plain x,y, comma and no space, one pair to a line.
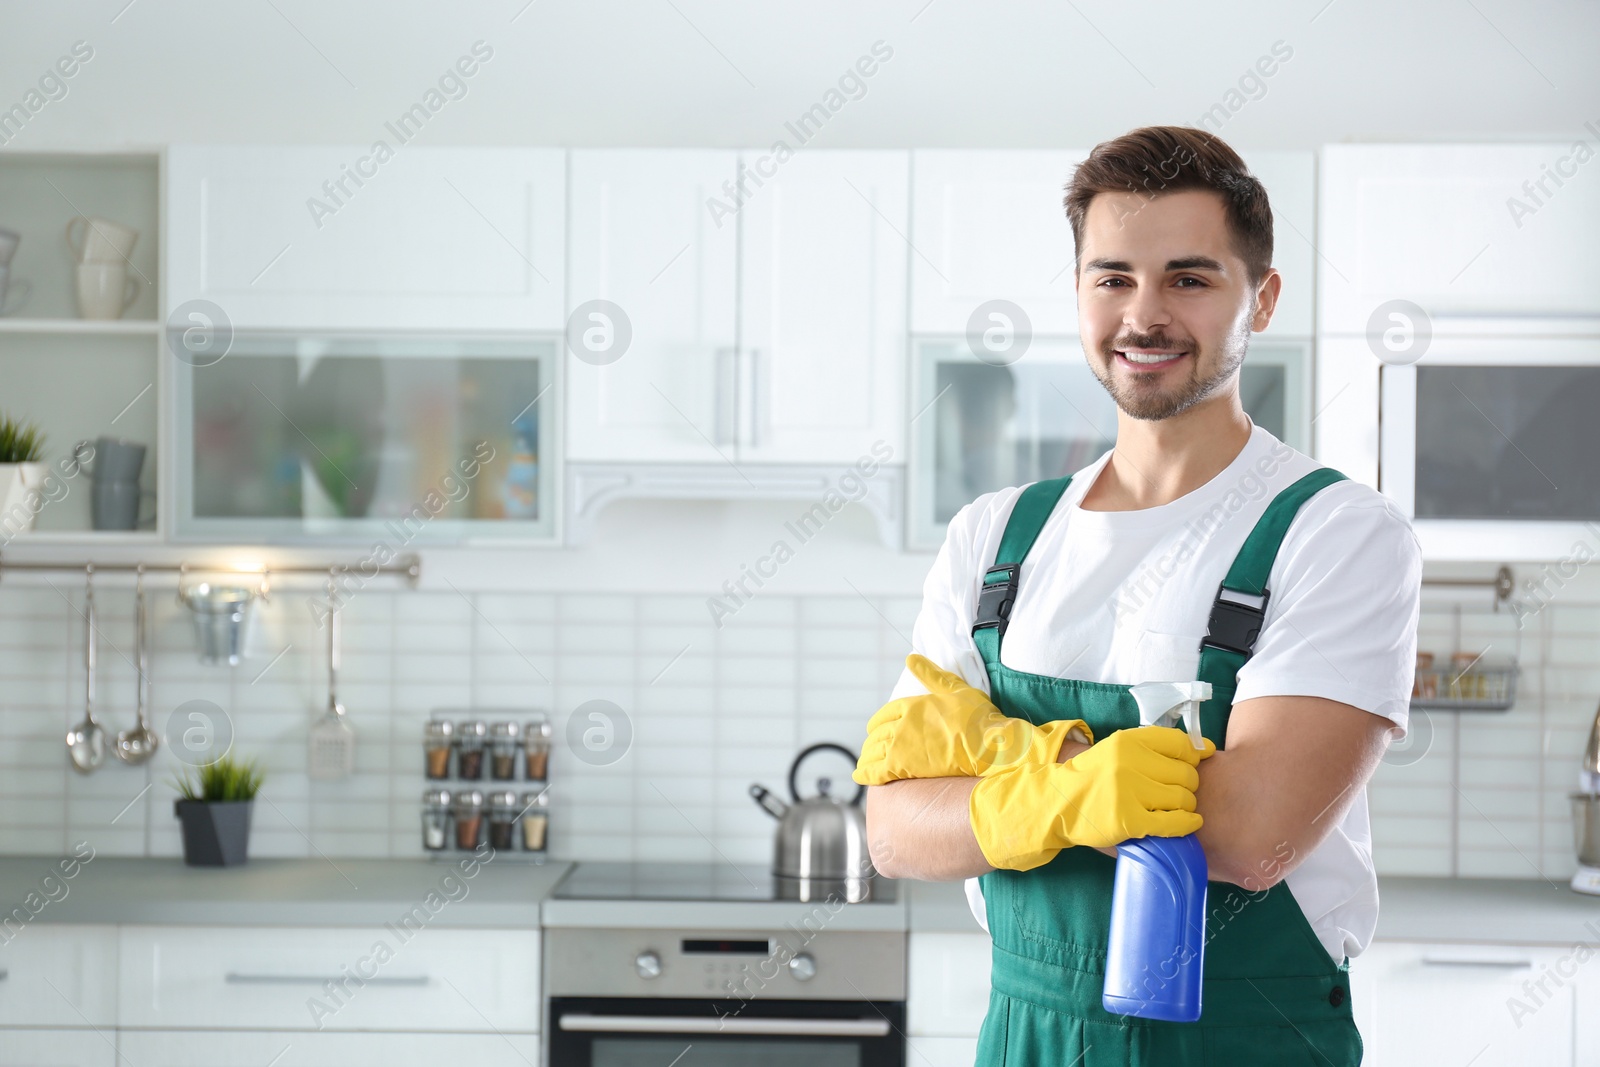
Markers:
736,308
1467,233
341,237
822,278
653,295
991,225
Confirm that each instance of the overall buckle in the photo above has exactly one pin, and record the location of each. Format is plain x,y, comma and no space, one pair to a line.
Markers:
1235,621
999,593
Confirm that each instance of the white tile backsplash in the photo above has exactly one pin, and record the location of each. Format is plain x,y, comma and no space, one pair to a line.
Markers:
711,711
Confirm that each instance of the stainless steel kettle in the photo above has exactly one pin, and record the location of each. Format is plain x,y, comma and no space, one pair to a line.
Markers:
820,849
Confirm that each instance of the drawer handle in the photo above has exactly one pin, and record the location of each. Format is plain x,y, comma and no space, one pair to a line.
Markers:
1445,961
234,978
677,1024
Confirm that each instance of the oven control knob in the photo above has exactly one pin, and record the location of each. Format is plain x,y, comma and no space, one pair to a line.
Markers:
803,967
648,964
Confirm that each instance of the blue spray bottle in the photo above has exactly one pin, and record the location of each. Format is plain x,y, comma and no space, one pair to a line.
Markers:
1156,957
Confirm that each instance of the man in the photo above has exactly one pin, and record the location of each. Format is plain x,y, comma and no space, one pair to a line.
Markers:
1199,548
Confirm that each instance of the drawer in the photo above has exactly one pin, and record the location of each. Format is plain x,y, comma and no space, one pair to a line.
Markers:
58,975
255,1048
57,1048
947,984
341,978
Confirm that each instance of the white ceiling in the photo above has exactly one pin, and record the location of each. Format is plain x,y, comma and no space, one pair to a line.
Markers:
1024,73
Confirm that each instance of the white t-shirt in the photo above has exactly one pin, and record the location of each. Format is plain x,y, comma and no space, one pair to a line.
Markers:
1124,596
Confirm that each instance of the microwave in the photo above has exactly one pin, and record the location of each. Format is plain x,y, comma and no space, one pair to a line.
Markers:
1491,444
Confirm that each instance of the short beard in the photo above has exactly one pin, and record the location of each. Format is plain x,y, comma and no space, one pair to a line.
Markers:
1153,406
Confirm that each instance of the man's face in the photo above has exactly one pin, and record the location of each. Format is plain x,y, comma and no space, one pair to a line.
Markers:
1165,308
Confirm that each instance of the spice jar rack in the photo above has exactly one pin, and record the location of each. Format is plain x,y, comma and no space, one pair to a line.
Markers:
1477,676
480,790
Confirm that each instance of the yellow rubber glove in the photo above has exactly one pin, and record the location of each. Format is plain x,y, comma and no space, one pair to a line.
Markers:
953,730
1136,782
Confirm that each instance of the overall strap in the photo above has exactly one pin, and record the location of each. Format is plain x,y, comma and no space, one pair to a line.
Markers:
1241,602
999,590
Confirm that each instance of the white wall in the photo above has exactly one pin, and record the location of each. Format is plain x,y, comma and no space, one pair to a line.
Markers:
1033,73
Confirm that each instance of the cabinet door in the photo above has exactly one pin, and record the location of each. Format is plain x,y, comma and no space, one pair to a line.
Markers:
947,984
650,370
990,225
1467,232
57,1048
1456,1003
397,977
823,307
187,1048
57,974
430,238
1291,182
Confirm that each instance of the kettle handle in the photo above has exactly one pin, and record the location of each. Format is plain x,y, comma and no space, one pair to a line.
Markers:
794,768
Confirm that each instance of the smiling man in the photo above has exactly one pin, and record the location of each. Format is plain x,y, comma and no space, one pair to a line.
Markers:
1199,548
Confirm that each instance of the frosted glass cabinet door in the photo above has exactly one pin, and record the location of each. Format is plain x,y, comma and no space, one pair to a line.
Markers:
651,370
430,238
401,439
977,427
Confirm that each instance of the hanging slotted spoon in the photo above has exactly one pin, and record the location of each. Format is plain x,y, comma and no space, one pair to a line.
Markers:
86,742
332,753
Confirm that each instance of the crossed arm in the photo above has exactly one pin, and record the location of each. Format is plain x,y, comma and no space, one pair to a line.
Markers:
1292,767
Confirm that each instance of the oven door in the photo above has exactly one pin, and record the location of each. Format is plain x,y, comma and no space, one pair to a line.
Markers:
1489,444
685,1032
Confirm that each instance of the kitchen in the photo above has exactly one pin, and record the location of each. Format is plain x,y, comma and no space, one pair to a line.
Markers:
492,459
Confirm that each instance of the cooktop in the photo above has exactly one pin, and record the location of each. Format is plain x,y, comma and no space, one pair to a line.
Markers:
686,881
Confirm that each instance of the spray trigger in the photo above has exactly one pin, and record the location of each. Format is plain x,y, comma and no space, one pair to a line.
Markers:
1164,703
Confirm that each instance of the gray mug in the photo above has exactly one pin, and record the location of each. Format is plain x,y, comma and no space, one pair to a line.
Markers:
114,494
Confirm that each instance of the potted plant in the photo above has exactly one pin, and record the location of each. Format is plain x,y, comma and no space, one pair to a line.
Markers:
21,469
215,812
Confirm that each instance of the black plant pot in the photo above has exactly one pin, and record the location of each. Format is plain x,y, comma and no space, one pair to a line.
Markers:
216,833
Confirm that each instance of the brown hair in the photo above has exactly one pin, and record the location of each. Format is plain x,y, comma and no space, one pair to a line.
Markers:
1166,159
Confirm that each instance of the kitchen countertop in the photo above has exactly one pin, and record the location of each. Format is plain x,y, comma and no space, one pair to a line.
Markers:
280,892
1508,910
371,892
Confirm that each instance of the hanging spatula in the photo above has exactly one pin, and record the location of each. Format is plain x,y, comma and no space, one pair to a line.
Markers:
333,743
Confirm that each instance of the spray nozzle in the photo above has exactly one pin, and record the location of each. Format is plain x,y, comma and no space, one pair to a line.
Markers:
1163,703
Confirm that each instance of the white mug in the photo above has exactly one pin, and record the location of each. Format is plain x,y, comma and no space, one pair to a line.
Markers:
103,240
105,290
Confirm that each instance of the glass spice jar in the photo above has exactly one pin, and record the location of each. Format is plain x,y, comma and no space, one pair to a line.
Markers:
536,744
536,822
470,737
436,819
437,739
503,738
468,807
502,820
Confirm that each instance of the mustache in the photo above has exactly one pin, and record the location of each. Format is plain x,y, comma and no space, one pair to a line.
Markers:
1148,341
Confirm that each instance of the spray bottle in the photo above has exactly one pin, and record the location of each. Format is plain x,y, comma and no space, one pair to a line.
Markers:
1156,957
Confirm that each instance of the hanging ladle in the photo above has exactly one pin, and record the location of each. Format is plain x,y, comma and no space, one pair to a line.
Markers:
139,744
86,742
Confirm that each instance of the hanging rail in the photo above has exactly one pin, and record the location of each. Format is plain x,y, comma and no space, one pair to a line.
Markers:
1501,582
408,567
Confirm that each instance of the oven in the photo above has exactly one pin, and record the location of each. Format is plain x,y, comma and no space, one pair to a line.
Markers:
798,995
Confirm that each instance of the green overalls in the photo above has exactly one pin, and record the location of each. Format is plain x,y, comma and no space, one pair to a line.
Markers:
1271,994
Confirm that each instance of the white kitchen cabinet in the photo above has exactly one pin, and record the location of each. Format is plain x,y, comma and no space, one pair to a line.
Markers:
644,380
947,984
823,308
1459,1003
58,1048
1471,233
991,225
764,321
300,979
58,975
328,237
178,1048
